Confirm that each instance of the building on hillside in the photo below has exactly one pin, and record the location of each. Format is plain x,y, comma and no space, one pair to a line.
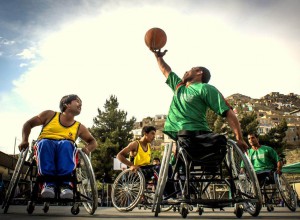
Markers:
7,165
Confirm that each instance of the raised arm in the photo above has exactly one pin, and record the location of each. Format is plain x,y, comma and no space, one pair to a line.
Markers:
236,128
163,66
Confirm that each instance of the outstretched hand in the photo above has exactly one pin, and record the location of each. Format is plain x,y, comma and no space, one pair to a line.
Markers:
242,145
158,53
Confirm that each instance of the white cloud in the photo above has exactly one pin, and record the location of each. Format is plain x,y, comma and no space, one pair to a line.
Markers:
106,55
28,53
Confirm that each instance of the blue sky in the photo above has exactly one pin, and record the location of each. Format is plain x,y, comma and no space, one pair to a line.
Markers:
96,49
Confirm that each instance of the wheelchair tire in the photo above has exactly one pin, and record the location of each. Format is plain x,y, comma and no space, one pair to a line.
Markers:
246,183
287,193
14,180
127,190
87,183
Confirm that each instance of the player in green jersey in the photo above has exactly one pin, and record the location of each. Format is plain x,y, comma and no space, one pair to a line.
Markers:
192,97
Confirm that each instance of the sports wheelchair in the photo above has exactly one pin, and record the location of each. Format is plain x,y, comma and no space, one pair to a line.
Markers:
136,189
27,182
200,164
274,186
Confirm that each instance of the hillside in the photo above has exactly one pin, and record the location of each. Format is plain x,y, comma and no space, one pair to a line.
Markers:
271,102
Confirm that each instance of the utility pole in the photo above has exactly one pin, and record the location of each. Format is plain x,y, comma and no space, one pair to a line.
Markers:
15,146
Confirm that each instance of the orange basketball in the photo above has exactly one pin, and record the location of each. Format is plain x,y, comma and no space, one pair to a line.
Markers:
155,38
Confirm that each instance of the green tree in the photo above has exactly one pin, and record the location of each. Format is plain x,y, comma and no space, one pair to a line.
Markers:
112,131
275,137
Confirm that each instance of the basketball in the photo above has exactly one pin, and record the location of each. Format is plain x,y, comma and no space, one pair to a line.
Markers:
155,38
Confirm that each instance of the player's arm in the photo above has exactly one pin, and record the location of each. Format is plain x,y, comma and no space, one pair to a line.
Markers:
163,66
86,136
37,120
235,126
121,156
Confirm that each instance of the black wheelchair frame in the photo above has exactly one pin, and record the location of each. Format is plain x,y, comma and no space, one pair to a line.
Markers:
193,183
274,186
84,185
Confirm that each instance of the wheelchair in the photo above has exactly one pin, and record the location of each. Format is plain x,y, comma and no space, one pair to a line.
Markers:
197,172
132,190
24,186
275,186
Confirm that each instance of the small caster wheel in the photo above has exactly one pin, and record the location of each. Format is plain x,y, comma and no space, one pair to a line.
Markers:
46,207
201,210
75,210
239,210
184,212
270,208
30,207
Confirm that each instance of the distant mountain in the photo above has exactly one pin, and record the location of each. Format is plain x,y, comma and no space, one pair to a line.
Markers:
273,101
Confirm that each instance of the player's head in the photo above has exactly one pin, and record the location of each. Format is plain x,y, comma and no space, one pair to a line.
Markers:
67,99
205,74
148,129
156,161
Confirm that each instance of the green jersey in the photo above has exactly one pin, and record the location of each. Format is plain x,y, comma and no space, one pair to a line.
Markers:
264,158
189,105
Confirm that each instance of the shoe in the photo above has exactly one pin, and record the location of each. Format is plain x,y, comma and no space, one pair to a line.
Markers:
66,192
48,192
172,201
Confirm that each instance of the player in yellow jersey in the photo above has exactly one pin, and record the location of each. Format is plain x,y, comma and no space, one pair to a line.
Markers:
140,150
55,150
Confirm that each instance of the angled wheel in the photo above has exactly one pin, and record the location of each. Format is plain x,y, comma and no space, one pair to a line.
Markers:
245,179
127,190
14,180
163,176
287,193
86,183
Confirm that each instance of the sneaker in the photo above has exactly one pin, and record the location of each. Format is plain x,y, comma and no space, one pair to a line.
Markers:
48,192
172,200
66,192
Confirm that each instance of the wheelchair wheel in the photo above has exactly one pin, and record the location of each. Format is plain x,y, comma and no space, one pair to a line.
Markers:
86,183
287,193
127,190
245,179
14,180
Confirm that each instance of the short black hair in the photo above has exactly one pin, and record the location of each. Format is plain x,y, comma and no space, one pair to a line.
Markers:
156,158
253,133
67,99
206,74
148,129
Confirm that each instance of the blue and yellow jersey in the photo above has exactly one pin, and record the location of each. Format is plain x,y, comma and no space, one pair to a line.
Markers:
56,131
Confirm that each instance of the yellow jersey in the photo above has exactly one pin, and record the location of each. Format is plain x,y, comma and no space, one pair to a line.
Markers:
56,131
142,157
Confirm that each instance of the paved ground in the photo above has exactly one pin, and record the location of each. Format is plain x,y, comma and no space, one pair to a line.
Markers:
63,213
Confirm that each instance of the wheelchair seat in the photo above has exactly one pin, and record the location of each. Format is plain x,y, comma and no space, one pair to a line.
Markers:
208,149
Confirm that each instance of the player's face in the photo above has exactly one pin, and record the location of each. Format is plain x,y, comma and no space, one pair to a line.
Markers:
150,136
75,106
253,141
191,74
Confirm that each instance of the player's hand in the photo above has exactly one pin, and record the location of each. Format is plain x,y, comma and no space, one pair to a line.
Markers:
242,145
134,168
86,151
23,145
158,53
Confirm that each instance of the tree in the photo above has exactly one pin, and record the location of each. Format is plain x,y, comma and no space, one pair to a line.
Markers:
275,137
112,131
